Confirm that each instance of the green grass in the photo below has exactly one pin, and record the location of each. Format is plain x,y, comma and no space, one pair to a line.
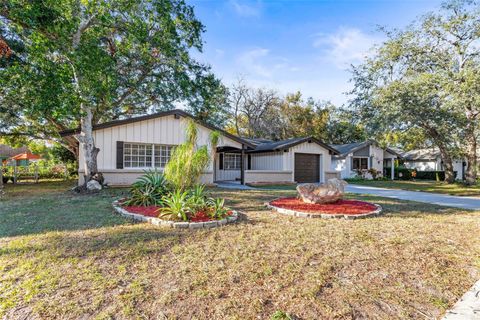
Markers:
457,189
69,256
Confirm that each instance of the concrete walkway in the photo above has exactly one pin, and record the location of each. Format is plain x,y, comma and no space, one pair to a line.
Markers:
468,307
433,198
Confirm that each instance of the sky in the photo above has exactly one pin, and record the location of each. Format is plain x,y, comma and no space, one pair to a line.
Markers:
298,45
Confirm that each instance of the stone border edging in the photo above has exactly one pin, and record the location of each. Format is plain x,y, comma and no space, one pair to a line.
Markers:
301,214
172,224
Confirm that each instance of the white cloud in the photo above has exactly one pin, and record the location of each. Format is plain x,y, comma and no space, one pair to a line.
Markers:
246,10
346,46
252,62
219,53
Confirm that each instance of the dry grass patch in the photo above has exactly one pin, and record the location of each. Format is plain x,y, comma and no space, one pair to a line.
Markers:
414,262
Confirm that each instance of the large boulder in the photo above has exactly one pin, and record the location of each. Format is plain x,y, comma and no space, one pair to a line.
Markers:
94,185
328,192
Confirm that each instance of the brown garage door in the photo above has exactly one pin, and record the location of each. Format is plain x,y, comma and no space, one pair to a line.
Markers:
307,167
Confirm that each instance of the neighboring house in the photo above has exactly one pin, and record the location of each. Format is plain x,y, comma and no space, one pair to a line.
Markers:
362,156
130,146
431,160
7,152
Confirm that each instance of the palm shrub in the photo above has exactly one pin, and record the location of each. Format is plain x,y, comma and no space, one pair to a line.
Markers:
188,161
148,190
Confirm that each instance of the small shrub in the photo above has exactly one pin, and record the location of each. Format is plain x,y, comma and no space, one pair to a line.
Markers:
176,206
148,190
197,198
218,208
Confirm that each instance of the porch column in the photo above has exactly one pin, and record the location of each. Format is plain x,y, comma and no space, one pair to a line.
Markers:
242,165
392,169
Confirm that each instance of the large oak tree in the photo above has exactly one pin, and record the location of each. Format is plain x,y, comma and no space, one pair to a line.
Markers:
76,63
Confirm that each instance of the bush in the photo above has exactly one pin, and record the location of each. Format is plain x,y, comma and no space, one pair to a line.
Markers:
148,190
432,175
403,173
188,162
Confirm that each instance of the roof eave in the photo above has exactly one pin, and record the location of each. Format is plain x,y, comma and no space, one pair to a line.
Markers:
178,112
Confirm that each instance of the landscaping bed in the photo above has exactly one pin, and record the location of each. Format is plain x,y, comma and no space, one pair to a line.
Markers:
348,209
151,214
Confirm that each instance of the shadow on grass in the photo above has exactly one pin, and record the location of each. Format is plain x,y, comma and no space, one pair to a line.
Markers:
131,240
58,210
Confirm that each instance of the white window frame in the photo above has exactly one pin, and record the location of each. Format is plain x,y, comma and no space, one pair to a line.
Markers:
153,155
236,161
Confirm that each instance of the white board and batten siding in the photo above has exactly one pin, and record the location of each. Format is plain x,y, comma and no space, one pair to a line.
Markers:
311,148
276,166
163,130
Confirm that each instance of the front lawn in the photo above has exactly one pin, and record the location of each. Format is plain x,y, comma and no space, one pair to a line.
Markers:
457,189
69,256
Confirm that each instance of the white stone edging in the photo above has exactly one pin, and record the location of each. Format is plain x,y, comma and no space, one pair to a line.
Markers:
173,224
301,214
468,307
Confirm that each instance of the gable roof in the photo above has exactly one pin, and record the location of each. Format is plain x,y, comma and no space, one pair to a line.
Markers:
7,151
421,154
285,144
256,145
345,149
176,112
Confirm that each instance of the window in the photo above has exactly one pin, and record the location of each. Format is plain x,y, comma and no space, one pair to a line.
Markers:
232,161
145,155
162,155
360,164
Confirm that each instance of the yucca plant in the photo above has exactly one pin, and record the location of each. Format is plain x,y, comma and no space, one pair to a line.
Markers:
197,198
148,190
218,208
176,205
145,196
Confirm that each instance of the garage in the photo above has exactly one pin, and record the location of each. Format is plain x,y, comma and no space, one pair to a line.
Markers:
307,167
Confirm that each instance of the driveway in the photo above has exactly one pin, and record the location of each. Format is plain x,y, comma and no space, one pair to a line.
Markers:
434,198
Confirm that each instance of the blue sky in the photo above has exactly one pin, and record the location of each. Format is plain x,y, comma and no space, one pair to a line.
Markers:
303,45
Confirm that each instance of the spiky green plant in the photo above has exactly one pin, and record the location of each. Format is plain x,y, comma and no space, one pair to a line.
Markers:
148,190
219,210
198,198
176,205
188,161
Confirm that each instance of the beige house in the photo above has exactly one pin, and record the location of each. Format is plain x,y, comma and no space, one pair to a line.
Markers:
129,147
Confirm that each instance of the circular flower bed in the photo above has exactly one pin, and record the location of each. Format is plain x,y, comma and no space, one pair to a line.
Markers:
348,209
151,214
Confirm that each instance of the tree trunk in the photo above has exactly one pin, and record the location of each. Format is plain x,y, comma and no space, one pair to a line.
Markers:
448,165
445,155
85,137
471,153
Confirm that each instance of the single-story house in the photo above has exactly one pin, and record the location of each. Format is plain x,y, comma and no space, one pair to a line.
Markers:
130,146
362,156
430,160
7,152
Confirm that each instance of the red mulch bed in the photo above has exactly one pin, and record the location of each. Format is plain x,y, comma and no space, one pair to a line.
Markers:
150,211
339,207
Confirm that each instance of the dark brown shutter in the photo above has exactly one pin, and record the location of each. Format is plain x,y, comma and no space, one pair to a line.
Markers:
119,154
249,164
220,163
